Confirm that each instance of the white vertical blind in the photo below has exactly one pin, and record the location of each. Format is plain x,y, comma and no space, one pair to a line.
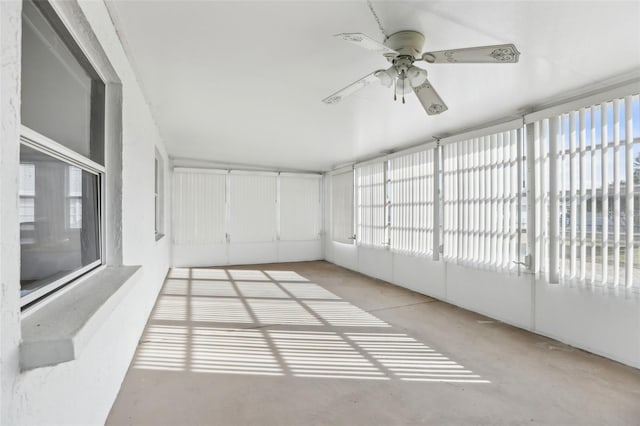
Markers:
253,207
450,218
481,200
299,207
342,207
371,204
412,202
595,183
199,210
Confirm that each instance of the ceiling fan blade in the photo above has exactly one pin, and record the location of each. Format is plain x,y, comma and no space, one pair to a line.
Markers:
499,53
352,88
429,98
368,43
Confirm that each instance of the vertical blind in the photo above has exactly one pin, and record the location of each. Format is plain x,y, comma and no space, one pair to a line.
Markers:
587,184
569,209
252,203
211,205
411,201
299,207
199,210
342,207
482,183
371,204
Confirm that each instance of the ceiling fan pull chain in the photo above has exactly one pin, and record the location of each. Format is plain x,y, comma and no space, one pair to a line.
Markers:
375,15
395,83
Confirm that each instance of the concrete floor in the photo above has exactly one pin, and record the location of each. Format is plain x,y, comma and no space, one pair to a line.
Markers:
313,344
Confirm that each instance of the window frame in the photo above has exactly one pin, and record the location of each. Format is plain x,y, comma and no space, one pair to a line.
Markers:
95,162
41,143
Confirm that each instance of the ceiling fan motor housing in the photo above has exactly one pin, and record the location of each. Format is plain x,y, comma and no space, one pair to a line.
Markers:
406,43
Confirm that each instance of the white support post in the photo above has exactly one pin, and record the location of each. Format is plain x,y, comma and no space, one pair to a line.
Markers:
543,218
459,197
594,196
277,207
629,192
436,202
501,214
506,195
532,199
485,247
493,187
514,198
554,128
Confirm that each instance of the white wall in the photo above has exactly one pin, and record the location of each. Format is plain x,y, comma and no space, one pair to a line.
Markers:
598,321
82,391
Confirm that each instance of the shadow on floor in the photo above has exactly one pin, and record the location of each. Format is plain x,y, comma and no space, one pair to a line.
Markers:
279,323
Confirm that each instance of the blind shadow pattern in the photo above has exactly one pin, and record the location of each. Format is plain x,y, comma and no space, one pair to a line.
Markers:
277,323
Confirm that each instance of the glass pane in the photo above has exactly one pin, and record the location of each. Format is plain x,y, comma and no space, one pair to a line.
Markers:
59,223
56,89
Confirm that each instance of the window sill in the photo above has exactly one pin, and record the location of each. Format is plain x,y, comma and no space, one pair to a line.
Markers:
59,330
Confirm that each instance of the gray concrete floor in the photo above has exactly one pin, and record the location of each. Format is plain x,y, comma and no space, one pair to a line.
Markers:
313,344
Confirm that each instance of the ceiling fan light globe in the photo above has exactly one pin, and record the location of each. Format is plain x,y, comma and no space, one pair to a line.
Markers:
416,76
385,79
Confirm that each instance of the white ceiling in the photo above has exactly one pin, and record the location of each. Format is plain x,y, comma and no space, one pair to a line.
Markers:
241,82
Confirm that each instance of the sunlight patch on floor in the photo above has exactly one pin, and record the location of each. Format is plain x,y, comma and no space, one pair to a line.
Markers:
249,322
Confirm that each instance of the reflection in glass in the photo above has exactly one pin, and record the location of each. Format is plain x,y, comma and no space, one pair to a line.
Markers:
58,219
57,90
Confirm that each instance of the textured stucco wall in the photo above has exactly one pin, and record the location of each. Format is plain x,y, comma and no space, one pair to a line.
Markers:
79,392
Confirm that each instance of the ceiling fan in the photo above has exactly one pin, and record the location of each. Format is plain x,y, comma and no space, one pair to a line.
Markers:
402,49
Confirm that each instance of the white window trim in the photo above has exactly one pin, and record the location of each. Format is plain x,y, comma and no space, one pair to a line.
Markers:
37,141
